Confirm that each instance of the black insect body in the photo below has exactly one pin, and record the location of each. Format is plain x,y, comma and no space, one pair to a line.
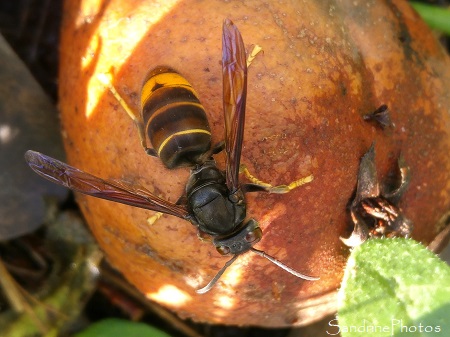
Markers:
374,209
216,210
175,122
381,116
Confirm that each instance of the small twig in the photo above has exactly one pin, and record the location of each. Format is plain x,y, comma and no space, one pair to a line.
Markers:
10,290
14,294
38,33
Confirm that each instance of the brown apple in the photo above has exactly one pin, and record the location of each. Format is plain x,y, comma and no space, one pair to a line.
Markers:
324,66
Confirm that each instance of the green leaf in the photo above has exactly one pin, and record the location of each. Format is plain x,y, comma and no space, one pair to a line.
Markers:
394,287
118,327
436,17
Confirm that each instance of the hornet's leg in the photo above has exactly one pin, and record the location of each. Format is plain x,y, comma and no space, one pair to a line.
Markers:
155,217
107,82
258,185
255,51
151,221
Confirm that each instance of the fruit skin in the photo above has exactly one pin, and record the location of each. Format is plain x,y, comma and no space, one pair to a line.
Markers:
325,65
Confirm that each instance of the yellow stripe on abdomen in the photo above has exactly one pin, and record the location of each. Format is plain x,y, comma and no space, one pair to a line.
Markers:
184,132
169,79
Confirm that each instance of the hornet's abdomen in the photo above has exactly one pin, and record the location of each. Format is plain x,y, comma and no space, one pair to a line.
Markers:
175,121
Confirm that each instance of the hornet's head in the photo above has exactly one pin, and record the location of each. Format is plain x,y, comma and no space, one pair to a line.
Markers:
240,242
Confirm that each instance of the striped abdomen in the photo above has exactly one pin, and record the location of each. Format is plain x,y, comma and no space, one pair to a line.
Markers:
174,119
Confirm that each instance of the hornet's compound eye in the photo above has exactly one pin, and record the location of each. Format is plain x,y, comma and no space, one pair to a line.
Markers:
223,250
254,236
240,241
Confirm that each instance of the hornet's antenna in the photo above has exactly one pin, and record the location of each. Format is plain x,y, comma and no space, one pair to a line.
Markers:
283,266
216,278
263,254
